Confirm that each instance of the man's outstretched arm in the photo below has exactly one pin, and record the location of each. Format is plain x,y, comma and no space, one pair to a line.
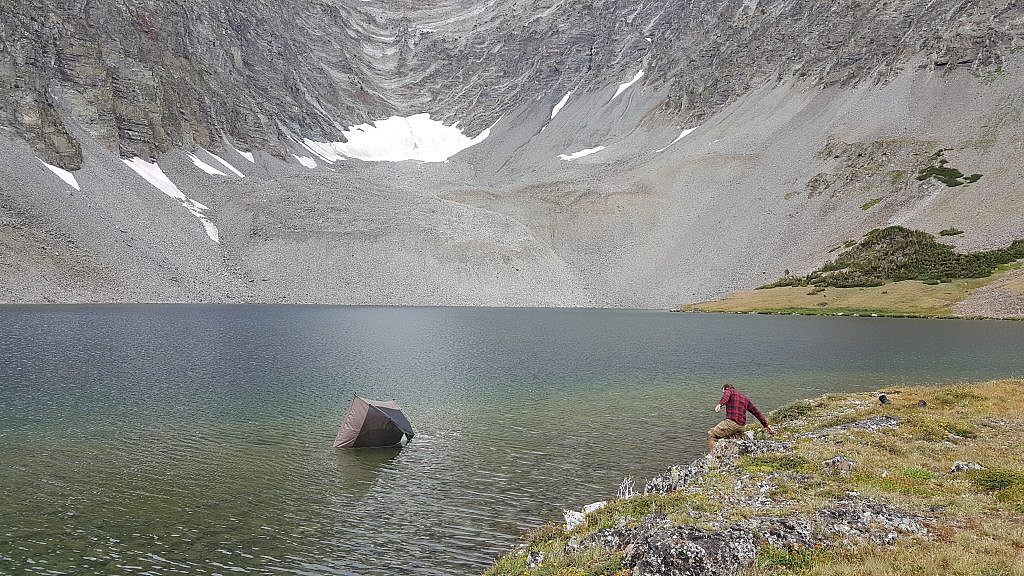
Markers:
760,417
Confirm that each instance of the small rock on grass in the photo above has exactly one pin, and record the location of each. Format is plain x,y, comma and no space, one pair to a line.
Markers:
960,466
839,466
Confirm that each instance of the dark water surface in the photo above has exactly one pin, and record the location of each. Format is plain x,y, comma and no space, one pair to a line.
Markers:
197,439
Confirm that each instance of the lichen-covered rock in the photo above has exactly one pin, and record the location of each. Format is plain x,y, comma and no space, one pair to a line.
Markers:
873,424
690,551
725,455
960,466
855,519
573,519
784,532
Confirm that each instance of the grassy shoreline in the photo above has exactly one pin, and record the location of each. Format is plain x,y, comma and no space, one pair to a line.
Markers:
906,299
930,517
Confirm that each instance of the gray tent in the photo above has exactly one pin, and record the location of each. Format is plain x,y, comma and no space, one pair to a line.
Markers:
372,423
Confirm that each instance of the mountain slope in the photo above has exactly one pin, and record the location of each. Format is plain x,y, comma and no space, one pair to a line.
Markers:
794,113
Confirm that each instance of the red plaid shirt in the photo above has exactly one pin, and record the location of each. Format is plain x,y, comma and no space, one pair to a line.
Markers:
736,407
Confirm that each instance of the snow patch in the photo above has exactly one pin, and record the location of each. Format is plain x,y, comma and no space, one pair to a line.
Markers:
678,138
396,139
247,155
325,150
204,166
63,174
225,163
561,104
581,153
305,161
155,176
623,87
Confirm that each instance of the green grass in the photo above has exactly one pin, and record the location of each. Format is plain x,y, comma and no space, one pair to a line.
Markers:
871,203
773,463
996,479
895,254
950,232
792,411
918,474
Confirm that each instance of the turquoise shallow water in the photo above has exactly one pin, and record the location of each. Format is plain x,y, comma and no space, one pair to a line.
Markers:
197,439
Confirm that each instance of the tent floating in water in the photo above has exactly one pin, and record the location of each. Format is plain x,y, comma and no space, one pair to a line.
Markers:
371,423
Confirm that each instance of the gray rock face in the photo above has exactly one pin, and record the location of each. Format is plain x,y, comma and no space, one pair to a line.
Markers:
143,77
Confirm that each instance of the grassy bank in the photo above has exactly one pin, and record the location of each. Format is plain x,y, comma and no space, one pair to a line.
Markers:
892,271
906,298
849,486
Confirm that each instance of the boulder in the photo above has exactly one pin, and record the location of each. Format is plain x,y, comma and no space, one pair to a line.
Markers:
839,466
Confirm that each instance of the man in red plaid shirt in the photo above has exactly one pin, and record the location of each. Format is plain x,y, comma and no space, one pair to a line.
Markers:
736,406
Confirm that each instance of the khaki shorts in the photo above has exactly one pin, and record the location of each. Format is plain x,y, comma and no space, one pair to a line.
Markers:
725,429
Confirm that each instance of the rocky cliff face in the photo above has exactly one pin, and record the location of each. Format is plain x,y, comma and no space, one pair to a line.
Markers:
83,83
143,77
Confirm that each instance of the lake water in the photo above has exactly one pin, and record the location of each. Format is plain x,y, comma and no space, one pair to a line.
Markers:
197,439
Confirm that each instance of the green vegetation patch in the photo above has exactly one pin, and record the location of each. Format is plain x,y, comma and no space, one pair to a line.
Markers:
951,231
996,479
793,559
769,463
958,396
871,203
549,531
918,474
639,507
934,430
792,411
895,254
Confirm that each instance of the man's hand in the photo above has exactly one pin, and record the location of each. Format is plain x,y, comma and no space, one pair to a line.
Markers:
718,408
770,430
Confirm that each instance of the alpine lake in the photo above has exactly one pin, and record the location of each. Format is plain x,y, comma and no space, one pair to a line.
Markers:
197,439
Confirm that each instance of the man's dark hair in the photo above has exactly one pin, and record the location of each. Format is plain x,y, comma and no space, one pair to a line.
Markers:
727,386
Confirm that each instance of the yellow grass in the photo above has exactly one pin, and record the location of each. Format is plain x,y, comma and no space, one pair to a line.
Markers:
910,297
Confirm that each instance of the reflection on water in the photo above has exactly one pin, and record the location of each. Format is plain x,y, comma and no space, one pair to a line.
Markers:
198,439
359,468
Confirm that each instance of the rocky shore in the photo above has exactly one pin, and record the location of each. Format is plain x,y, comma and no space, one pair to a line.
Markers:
930,482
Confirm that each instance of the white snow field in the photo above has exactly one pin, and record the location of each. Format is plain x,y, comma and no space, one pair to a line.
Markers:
155,176
63,174
396,139
678,138
204,166
625,85
226,164
581,153
561,103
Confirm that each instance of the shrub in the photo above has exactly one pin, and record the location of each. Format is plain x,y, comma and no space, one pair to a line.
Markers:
549,531
996,479
896,253
949,176
791,411
769,463
950,232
